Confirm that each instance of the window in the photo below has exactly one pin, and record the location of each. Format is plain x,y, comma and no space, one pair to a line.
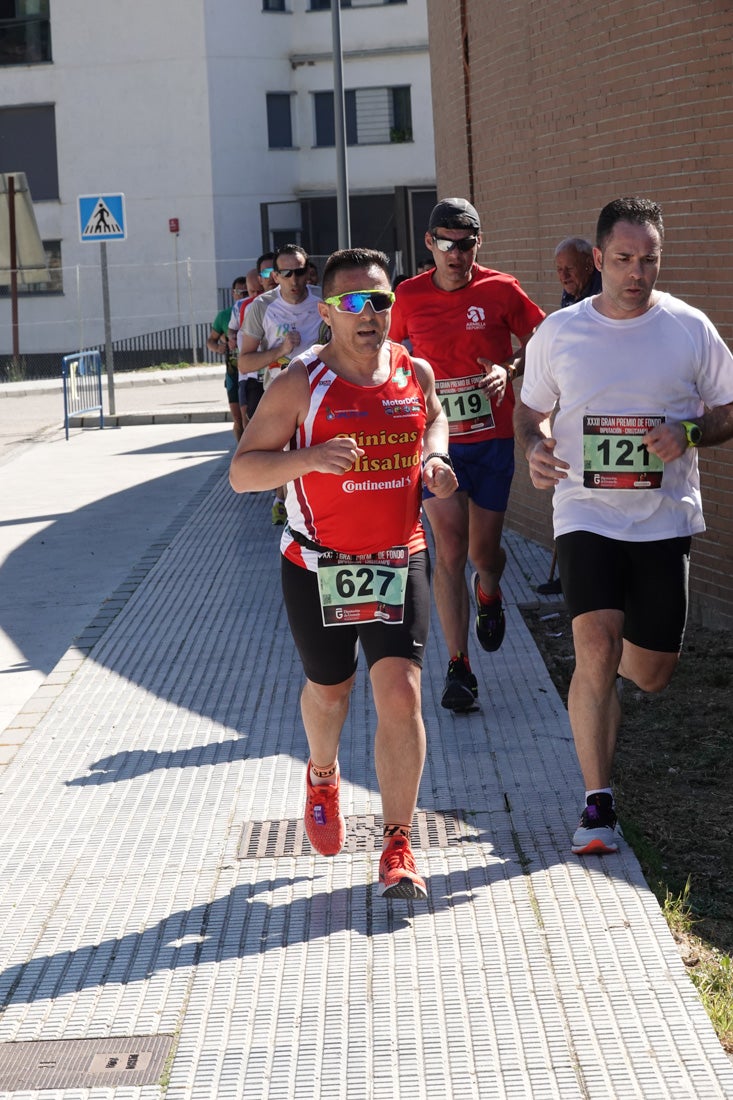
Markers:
325,5
280,237
25,32
53,285
401,128
279,122
374,116
273,5
36,158
325,122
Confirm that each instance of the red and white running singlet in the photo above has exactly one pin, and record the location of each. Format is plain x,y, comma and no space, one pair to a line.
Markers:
376,504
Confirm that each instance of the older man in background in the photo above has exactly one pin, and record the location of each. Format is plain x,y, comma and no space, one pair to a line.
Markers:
576,270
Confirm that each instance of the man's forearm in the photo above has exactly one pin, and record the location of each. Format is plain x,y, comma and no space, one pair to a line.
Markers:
716,425
529,426
436,436
514,366
217,344
250,361
257,471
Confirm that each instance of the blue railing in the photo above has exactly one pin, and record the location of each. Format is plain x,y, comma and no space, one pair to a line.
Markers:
82,375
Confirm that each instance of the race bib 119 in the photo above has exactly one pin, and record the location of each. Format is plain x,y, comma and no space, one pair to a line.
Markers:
465,404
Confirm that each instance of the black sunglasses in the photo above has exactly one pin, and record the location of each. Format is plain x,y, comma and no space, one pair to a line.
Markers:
287,272
464,245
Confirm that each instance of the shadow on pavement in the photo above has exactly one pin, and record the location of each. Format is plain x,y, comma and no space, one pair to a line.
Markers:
52,580
238,925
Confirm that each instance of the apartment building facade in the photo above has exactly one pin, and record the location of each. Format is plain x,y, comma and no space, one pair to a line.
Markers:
214,118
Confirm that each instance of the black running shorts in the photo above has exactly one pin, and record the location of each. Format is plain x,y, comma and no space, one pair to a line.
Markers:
329,653
648,581
250,392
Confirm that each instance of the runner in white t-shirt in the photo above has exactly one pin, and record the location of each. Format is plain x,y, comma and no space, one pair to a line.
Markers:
637,380
249,386
278,325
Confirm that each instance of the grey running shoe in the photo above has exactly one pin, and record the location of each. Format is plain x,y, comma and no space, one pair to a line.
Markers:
595,834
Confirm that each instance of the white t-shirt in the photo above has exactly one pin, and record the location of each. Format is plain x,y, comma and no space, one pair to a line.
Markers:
269,318
235,325
605,378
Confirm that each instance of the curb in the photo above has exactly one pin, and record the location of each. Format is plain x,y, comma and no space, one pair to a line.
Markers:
123,380
121,420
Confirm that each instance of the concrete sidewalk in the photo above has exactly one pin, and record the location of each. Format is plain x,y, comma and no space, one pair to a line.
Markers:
35,410
165,928
77,514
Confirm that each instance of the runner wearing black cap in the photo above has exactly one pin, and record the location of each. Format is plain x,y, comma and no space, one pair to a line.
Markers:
461,317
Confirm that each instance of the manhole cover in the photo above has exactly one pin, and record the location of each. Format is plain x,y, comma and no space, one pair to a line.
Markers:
273,839
83,1063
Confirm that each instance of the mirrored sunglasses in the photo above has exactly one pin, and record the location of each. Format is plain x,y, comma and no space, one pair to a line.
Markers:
288,272
355,300
464,245
266,272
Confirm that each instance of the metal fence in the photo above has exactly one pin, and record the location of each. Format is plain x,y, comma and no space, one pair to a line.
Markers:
170,345
82,377
80,327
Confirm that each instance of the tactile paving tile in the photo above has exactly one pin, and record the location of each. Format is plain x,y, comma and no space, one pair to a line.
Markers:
126,910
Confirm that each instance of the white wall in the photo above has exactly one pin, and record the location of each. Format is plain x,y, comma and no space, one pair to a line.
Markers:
165,102
129,85
253,52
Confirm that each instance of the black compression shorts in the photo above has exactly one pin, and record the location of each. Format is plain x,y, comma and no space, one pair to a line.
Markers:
648,581
329,653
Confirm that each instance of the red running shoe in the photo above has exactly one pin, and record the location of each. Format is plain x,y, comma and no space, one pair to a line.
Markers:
324,823
398,877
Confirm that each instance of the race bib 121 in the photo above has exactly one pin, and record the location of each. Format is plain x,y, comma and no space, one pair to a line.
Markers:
614,456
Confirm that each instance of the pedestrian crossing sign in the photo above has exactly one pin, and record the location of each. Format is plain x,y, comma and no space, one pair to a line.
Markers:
102,218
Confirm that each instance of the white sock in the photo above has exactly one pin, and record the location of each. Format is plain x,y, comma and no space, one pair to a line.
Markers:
598,790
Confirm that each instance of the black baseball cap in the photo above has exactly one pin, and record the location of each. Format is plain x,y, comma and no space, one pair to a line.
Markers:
454,214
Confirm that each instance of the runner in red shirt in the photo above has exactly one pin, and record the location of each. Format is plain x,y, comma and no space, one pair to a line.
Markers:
462,318
354,427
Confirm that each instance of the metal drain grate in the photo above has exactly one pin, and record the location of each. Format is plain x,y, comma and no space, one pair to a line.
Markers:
273,839
83,1063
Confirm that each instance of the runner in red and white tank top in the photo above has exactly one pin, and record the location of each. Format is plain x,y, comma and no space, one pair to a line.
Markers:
377,502
354,428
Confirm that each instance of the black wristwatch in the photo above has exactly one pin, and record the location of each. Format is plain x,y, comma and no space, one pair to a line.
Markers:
438,454
693,432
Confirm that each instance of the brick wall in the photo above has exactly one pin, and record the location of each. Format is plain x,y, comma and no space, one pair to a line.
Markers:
570,106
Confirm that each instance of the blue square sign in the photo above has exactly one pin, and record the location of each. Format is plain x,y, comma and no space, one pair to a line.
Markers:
102,218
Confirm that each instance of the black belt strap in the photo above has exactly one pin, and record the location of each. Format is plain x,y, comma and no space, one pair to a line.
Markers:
309,544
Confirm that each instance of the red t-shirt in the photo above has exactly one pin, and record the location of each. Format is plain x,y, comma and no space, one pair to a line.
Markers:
453,328
376,504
